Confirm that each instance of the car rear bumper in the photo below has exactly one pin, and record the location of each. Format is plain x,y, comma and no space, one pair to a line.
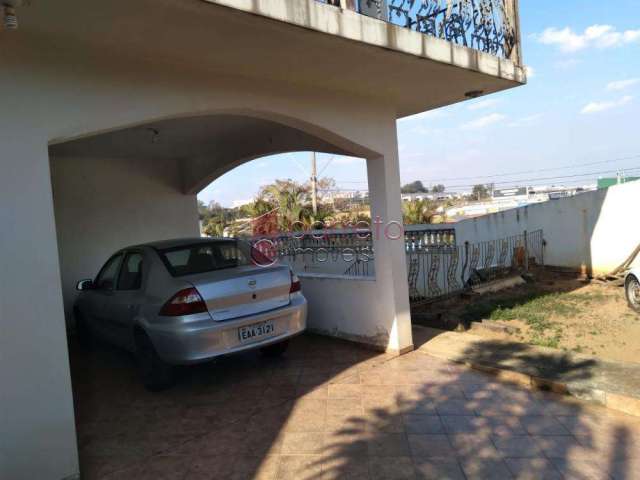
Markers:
186,343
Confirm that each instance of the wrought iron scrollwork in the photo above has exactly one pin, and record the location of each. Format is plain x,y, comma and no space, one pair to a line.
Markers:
412,277
484,25
475,258
488,259
432,279
504,251
452,281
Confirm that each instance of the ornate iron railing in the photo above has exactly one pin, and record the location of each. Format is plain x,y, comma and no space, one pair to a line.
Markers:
434,274
349,253
359,268
437,267
354,240
491,26
485,25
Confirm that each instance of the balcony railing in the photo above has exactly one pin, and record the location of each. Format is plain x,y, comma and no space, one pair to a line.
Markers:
415,239
490,26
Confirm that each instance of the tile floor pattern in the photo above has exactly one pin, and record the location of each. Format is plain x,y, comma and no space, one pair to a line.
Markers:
331,410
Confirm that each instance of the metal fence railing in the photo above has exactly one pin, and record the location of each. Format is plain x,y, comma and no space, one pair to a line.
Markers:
435,273
491,26
352,240
437,267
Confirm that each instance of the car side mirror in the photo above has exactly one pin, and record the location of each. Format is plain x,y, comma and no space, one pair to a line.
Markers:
83,285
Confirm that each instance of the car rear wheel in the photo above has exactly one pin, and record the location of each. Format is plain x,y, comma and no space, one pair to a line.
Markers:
276,349
632,291
155,373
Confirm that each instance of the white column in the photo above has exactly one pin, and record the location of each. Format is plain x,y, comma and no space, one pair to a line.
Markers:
37,428
390,256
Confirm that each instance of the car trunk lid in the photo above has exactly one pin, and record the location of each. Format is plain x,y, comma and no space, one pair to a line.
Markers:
242,291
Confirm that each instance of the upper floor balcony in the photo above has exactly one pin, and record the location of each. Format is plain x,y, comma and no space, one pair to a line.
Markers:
419,54
407,56
490,26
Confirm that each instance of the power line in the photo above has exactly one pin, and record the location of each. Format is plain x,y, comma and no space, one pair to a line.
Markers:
539,179
529,181
495,175
327,164
524,172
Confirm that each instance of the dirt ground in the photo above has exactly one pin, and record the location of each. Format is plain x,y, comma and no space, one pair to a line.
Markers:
555,310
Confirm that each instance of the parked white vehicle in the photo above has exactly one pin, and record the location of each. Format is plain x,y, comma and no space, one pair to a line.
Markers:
632,288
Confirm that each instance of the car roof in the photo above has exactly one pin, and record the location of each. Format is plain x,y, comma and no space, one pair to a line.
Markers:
180,242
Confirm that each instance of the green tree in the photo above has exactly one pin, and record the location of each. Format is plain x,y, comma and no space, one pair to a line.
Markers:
325,186
203,211
292,200
214,227
414,187
480,191
417,212
438,188
256,208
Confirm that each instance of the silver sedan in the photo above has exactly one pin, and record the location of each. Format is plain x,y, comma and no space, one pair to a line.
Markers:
186,301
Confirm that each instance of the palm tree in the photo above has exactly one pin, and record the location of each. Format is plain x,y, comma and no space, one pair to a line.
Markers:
417,211
290,198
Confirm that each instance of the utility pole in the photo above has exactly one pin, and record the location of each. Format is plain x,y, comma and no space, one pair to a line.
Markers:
314,184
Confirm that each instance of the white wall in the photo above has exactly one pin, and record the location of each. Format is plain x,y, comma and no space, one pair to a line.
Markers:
345,307
596,229
102,205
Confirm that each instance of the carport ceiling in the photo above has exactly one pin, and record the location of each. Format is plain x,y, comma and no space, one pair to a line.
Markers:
193,137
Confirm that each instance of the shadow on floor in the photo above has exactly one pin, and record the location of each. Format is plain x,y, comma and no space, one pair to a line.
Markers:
554,365
331,410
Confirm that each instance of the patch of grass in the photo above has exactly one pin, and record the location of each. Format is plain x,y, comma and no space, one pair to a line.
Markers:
530,307
550,341
536,310
588,297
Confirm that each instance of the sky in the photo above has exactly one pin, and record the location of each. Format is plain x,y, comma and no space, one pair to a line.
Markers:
577,119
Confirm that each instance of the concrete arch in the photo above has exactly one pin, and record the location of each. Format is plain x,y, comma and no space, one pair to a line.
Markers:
209,144
315,129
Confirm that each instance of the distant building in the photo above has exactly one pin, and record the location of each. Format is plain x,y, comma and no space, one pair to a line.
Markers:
514,197
410,197
517,192
359,195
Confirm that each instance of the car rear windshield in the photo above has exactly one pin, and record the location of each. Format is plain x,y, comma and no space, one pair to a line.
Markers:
205,257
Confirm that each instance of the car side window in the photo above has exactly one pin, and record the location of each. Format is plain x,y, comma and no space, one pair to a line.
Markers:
130,277
106,279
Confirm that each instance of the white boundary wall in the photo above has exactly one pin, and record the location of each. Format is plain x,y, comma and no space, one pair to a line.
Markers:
597,230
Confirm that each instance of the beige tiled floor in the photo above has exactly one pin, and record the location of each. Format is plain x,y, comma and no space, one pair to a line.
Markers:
331,410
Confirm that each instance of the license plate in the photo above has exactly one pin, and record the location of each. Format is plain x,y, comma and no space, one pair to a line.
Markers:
257,330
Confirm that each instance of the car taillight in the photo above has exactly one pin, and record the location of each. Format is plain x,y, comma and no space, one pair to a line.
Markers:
295,284
185,302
